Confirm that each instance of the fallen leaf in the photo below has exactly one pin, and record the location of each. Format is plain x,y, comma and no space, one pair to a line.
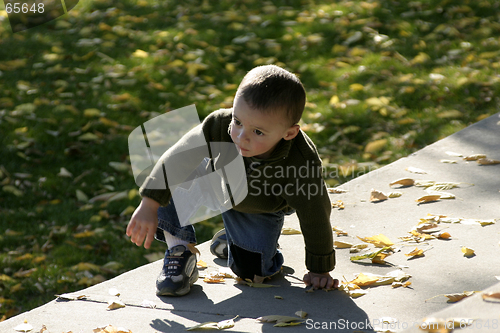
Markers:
339,231
201,264
301,314
487,161
491,297
376,196
223,324
278,319
336,190
278,297
415,170
293,323
290,231
467,252
448,161
415,253
338,204
342,245
394,194
368,255
452,298
474,157
213,279
379,240
428,198
444,235
403,182
116,304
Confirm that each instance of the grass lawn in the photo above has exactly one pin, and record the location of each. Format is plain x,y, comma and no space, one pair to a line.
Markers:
384,79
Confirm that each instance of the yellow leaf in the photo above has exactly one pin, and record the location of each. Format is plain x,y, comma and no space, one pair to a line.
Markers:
336,190
474,157
334,100
376,196
140,54
338,204
415,253
363,280
91,113
378,240
467,252
487,161
428,198
420,58
444,235
339,231
356,87
201,264
342,245
403,182
290,231
450,114
375,146
213,279
395,194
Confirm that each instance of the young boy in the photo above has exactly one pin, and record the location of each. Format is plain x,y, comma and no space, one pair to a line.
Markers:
281,165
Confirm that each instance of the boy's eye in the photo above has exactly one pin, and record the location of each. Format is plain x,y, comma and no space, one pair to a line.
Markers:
236,121
258,132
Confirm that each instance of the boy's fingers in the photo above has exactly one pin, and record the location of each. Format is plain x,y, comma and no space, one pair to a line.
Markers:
307,279
149,239
130,227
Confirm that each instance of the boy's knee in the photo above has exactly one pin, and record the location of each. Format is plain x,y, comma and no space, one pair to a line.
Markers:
246,264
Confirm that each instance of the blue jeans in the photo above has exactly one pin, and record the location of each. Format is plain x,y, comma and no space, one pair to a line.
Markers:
252,239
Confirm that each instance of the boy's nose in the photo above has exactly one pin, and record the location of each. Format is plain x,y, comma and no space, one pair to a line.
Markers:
243,136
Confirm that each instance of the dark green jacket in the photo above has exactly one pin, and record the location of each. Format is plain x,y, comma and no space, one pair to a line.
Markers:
289,179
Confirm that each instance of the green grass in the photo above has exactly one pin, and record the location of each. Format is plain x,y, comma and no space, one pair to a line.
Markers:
346,53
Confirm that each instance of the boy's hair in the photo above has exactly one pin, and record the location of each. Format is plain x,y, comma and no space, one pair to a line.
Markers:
273,89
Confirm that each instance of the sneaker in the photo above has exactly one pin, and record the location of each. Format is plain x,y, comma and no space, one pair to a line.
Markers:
218,245
179,272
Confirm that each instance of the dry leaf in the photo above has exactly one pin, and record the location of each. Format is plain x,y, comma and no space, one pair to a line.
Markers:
444,235
428,198
491,297
379,240
293,323
290,231
339,231
342,245
338,204
213,279
474,157
450,153
395,194
117,304
278,297
415,253
403,182
452,298
370,255
467,252
301,314
336,190
278,319
448,161
201,264
376,196
487,161
209,325
415,170
223,324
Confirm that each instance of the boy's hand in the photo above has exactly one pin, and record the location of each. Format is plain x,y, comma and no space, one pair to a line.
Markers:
143,223
320,280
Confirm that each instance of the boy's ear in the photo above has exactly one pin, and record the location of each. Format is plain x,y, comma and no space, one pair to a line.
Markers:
292,132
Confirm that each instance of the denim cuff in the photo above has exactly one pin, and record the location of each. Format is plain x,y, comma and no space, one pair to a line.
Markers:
320,263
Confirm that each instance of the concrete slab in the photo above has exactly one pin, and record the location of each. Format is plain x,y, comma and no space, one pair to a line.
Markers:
443,269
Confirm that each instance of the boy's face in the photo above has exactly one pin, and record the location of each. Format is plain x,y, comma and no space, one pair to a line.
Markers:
256,133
